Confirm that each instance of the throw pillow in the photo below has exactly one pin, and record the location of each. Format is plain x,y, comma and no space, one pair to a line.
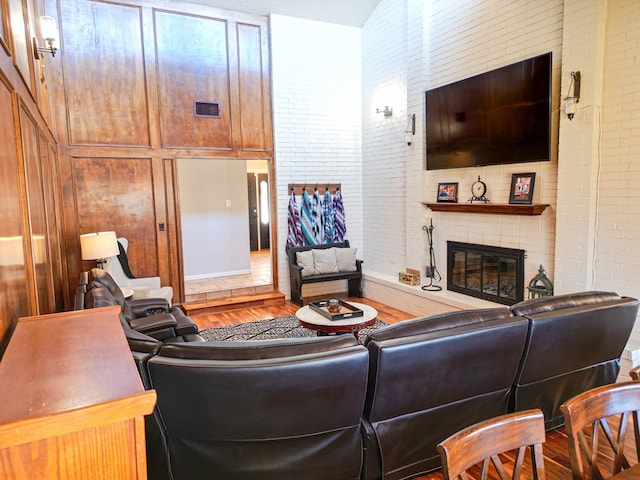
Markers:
324,260
346,259
305,260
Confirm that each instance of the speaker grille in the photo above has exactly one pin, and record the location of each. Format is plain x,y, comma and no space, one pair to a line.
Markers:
207,109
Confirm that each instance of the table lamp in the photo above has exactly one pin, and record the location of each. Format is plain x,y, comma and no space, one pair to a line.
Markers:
98,246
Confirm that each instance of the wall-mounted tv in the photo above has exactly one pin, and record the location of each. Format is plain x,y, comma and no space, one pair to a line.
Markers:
498,117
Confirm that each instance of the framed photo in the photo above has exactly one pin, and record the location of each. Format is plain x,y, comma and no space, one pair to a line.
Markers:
522,188
448,192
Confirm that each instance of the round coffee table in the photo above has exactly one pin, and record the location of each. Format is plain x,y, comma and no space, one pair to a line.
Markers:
315,321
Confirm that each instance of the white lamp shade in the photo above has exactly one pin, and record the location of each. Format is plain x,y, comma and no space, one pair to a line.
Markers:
49,29
95,246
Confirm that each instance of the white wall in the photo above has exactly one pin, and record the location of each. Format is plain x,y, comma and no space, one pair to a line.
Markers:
317,129
215,217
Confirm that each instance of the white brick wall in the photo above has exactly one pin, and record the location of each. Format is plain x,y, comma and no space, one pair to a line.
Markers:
384,166
317,126
440,46
589,236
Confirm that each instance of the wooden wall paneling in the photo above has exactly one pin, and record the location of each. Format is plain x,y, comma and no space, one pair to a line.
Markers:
174,230
14,280
22,55
39,261
4,27
118,194
193,65
104,74
254,107
273,203
51,187
160,207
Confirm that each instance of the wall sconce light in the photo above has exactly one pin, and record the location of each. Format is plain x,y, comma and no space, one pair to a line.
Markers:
49,31
99,246
410,131
572,99
388,111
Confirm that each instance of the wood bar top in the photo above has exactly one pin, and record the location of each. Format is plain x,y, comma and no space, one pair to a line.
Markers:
65,372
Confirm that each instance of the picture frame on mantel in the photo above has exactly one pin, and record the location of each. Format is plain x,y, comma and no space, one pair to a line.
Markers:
447,192
522,188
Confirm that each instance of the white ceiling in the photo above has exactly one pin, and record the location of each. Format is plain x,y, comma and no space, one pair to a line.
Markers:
342,12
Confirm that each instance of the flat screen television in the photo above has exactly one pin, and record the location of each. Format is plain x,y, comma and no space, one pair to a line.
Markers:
498,117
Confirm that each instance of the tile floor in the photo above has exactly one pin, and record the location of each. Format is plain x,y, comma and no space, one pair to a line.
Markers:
258,281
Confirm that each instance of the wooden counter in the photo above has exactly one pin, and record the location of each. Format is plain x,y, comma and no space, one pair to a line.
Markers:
72,404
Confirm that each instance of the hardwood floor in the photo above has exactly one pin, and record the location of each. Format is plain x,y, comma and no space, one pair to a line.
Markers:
231,317
556,452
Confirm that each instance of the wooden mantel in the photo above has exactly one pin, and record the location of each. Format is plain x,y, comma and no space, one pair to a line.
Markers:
491,208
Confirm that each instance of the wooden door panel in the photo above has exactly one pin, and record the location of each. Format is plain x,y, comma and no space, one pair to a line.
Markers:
251,77
51,186
117,194
14,297
104,75
192,67
22,56
43,275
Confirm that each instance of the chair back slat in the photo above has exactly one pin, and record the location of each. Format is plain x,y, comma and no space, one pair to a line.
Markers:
597,425
485,442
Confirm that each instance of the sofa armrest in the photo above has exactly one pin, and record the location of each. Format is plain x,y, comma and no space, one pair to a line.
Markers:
143,307
152,283
140,292
154,322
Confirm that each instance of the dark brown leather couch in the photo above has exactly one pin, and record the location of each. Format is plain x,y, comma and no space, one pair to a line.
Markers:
574,344
271,410
432,376
429,378
326,408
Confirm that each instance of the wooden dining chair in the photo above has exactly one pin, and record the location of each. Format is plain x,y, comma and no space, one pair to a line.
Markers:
597,423
634,373
483,443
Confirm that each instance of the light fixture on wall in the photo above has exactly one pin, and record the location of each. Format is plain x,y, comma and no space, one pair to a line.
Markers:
410,130
388,111
573,97
98,246
49,31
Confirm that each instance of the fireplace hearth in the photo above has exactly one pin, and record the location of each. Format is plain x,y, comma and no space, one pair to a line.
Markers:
492,273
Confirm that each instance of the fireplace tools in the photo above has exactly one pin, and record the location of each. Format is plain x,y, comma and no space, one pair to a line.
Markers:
432,271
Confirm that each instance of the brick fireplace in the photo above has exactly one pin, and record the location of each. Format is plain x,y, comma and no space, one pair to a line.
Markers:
492,273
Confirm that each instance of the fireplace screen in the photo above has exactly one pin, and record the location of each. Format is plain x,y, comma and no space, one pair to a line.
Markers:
491,273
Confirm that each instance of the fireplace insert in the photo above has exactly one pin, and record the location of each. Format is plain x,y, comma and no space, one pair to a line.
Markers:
491,273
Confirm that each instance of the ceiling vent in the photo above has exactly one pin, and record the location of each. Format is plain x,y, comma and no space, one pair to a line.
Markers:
207,109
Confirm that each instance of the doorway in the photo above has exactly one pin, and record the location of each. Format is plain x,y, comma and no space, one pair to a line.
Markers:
259,221
225,249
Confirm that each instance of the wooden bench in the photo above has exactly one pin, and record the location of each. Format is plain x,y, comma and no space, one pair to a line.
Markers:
297,279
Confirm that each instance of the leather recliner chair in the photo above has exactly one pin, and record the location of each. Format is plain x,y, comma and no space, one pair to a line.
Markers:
264,410
431,377
152,316
574,344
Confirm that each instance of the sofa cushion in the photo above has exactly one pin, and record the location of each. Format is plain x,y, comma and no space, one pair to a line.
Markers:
324,261
305,260
256,350
442,321
346,259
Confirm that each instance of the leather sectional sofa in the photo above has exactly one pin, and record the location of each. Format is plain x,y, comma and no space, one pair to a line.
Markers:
328,408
